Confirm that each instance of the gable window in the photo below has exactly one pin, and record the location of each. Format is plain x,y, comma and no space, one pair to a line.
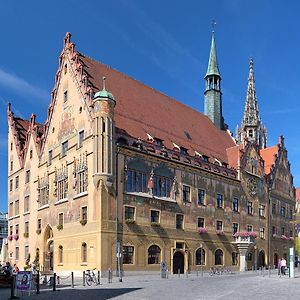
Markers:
26,204
162,186
235,228
249,228
200,222
262,233
219,225
179,221
262,210
27,176
129,213
128,252
154,216
201,197
186,193
219,201
80,138
250,207
282,211
136,181
235,204
64,148
17,182
65,95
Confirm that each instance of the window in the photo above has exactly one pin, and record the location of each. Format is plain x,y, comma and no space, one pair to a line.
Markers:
250,208
17,182
200,257
60,254
282,211
11,230
234,256
39,224
62,188
219,201
154,216
44,195
235,228
11,165
200,222
17,253
84,252
64,148
26,227
61,219
11,146
262,210
65,69
27,176
291,214
136,182
201,197
26,252
128,252
273,230
17,228
162,186
218,257
179,221
65,95
291,233
26,204
273,208
30,154
154,255
249,256
186,193
282,231
50,156
219,225
235,204
129,213
262,233
17,208
84,213
81,176
11,209
80,138
10,185
249,228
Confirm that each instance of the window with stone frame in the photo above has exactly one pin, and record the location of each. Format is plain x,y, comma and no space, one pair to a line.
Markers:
11,230
129,213
201,197
136,181
219,225
17,229
200,257
50,157
290,214
17,207
235,228
80,174
200,222
84,215
39,224
234,257
154,216
26,203
80,138
64,148
26,251
262,232
250,207
179,221
61,183
273,208
186,193
282,211
162,186
154,255
26,230
235,204
10,185
17,182
128,255
17,253
43,190
61,219
11,209
219,200
249,228
27,176
262,210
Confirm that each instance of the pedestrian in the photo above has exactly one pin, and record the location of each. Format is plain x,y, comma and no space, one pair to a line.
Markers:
15,269
279,267
283,266
7,270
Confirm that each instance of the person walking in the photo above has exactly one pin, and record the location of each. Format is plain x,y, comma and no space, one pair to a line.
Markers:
283,266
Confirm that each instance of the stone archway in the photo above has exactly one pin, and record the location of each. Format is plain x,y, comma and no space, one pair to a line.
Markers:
178,263
261,259
48,249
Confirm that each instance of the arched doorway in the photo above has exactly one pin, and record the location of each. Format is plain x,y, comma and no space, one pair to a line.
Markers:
178,263
261,259
48,250
275,260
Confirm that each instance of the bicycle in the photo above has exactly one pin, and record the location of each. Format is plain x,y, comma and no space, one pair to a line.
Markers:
214,271
90,277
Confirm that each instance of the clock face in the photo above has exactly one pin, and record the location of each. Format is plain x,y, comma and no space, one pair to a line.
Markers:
252,186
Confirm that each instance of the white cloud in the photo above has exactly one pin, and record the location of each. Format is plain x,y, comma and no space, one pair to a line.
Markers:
21,86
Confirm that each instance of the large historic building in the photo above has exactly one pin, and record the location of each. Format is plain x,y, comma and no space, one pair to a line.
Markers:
125,177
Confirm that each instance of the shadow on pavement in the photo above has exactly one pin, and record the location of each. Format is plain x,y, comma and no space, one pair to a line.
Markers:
92,294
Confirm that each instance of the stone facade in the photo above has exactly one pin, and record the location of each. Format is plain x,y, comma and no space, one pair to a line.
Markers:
85,186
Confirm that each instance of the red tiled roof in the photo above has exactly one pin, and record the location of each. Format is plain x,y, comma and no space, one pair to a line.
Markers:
234,156
269,157
141,110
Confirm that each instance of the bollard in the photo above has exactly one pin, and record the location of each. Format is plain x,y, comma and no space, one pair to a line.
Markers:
72,279
38,282
54,282
109,276
99,278
83,278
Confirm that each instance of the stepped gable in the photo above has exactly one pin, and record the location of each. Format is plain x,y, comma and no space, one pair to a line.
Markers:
141,110
269,156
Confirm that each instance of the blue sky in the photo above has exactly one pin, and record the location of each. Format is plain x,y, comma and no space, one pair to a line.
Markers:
164,44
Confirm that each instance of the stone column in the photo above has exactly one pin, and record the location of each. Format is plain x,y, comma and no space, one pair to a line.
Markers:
243,243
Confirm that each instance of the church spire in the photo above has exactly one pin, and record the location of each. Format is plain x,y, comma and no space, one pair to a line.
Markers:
252,128
213,94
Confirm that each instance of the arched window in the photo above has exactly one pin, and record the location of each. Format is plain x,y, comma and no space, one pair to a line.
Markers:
60,254
200,256
153,255
84,252
234,258
219,257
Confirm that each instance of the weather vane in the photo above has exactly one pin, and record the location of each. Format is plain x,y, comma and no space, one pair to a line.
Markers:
213,25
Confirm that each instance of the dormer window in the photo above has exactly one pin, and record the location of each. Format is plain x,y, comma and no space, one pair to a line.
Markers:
205,158
183,150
